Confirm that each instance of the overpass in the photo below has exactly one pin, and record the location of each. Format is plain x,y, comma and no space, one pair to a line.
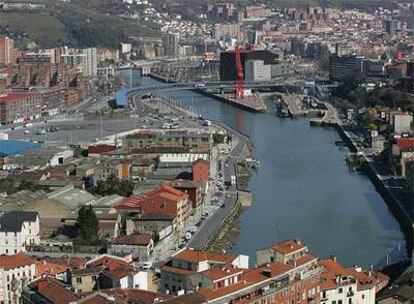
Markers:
123,95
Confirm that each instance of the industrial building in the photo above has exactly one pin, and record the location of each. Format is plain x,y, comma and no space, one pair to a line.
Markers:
228,61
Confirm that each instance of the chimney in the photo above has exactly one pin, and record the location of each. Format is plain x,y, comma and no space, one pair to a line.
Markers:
42,285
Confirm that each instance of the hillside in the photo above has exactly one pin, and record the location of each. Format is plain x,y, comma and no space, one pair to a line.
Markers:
72,24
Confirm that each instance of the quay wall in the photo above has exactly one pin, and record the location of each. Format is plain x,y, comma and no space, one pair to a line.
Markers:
392,202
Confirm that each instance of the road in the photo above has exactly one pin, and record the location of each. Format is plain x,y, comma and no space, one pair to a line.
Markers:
212,223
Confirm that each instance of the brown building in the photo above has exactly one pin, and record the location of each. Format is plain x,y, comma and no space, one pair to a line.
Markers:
7,51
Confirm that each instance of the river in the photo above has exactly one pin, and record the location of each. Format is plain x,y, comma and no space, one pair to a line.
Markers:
304,190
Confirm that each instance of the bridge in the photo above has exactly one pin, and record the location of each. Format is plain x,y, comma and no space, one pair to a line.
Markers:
123,95
143,65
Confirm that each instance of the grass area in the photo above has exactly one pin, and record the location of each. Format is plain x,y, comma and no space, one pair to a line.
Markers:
243,175
44,29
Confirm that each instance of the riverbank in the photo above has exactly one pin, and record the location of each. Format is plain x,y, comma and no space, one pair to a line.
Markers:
218,231
291,196
396,207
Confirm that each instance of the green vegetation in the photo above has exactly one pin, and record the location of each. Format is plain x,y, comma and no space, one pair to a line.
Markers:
44,29
351,90
87,225
391,98
10,186
243,175
113,185
76,24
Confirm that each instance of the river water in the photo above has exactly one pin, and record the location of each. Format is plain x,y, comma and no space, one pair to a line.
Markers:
304,190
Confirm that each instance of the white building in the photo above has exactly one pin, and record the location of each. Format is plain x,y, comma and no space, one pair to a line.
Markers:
125,48
18,229
15,272
256,70
74,61
402,123
348,285
91,62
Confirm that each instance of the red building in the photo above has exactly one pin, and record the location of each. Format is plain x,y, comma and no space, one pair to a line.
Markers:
201,171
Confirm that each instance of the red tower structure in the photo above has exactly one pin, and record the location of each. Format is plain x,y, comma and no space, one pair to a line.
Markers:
239,75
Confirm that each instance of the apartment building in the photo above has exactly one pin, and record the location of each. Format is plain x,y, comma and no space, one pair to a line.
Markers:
18,229
169,141
190,269
15,272
7,51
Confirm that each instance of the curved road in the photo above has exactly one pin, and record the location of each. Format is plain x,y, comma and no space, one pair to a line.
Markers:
211,224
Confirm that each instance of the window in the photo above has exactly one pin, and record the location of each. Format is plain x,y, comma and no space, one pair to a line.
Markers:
340,290
350,301
333,302
79,280
339,301
363,296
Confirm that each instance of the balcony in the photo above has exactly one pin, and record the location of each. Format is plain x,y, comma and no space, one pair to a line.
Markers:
350,293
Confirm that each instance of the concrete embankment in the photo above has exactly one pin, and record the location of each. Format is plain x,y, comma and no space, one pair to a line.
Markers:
221,237
397,209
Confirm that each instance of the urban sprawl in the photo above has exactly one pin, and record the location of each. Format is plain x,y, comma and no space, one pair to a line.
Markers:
111,192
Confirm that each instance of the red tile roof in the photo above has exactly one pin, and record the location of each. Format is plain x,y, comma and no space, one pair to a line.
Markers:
54,291
44,267
164,199
8,262
288,246
219,273
135,295
99,149
404,142
13,97
195,256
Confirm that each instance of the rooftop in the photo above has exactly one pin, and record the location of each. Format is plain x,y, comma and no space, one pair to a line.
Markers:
288,246
54,291
195,256
8,262
13,221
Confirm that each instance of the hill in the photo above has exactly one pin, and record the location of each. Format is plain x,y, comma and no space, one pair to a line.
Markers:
76,24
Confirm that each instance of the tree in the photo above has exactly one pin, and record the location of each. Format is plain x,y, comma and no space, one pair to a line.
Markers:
125,188
87,224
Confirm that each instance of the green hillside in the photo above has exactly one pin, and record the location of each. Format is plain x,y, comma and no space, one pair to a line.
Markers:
70,24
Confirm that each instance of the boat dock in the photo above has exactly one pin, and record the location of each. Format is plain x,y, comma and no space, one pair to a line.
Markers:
330,117
293,102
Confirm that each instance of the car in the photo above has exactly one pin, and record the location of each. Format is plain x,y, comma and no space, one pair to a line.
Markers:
147,265
193,229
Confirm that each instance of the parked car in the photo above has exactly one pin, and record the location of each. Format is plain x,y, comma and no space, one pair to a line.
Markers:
147,265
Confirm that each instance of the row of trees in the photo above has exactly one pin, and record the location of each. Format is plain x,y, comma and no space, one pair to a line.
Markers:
112,185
